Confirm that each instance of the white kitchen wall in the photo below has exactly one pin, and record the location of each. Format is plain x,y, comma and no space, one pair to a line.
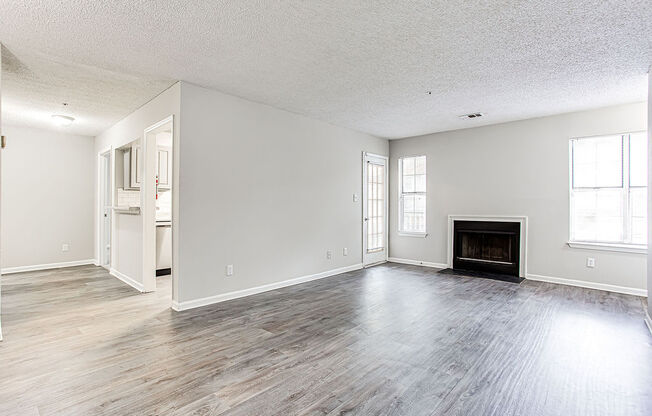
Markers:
518,168
265,190
127,246
47,198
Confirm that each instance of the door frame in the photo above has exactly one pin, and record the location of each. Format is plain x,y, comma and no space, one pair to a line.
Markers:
100,208
366,155
148,205
101,182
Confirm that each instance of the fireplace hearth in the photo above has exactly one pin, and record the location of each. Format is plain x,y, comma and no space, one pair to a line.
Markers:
487,246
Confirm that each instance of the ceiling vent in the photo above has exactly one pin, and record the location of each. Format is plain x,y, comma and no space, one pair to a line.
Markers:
472,115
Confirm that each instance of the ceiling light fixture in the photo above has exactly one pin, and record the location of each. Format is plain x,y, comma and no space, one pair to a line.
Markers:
61,120
472,115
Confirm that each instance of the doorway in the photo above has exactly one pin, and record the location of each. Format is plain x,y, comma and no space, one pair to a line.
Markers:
157,199
374,209
105,205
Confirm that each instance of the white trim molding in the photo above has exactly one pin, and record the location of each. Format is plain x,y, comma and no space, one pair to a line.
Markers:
499,218
648,321
620,248
36,267
418,263
196,303
128,280
589,285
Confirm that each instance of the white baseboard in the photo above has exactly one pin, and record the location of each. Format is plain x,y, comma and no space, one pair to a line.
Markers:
589,285
648,321
128,280
418,263
36,267
196,303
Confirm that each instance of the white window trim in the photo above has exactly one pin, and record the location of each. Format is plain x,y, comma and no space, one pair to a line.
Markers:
599,245
400,232
621,248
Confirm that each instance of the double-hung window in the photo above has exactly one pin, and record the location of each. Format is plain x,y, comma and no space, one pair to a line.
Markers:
608,195
412,195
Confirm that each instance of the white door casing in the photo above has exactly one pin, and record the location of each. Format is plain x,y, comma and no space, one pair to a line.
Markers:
374,209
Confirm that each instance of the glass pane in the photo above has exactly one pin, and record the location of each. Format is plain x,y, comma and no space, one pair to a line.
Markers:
638,159
408,204
597,162
408,183
597,215
408,166
420,204
420,183
638,221
420,165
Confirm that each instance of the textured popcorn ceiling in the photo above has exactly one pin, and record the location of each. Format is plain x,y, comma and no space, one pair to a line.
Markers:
362,64
35,86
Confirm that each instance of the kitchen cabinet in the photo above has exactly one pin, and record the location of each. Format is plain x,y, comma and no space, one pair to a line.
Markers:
164,167
133,167
132,158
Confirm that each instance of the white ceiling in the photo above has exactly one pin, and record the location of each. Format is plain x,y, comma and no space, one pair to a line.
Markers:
361,64
35,86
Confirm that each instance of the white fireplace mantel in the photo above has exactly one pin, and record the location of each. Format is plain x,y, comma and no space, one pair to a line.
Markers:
500,218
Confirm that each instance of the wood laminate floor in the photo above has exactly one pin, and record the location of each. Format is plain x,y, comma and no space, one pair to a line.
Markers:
390,340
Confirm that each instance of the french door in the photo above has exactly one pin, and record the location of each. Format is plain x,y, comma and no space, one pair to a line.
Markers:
374,209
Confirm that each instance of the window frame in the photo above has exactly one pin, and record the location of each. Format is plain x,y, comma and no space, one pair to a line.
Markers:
401,194
622,246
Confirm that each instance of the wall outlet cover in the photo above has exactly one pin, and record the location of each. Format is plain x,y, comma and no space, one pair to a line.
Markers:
329,254
590,262
229,270
345,251
65,247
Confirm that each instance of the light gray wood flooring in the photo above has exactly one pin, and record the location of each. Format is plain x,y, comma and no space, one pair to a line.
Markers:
389,340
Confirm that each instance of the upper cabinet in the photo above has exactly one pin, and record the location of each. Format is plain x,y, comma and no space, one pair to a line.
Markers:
164,167
132,166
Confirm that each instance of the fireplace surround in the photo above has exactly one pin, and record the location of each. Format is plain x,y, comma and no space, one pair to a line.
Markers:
493,244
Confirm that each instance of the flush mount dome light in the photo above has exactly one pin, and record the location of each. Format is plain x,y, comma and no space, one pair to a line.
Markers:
61,120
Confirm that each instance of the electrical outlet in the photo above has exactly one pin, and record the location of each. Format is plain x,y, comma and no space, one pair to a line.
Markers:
345,251
355,198
329,254
229,270
65,247
590,262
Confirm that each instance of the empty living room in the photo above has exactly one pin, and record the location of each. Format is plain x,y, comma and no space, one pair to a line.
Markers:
300,207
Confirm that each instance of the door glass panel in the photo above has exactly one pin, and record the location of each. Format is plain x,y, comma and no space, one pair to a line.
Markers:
375,208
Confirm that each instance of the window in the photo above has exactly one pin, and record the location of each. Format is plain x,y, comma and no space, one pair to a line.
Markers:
609,189
412,195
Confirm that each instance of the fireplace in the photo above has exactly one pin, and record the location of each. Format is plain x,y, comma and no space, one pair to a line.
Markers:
487,246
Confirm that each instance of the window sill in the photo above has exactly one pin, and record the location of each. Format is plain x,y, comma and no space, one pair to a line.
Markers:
419,235
622,248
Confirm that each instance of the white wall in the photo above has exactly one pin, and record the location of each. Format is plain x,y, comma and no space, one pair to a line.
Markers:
649,194
47,197
127,239
518,168
265,190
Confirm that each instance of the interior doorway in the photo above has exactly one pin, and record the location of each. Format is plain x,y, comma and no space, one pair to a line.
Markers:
106,206
156,192
374,209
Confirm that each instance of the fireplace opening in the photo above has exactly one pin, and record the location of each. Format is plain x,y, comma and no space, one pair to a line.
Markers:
487,246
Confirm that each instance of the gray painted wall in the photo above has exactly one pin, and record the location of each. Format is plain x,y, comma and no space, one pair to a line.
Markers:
127,249
265,190
649,194
47,197
518,168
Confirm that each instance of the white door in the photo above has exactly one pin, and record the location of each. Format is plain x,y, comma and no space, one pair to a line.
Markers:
374,209
0,182
106,204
